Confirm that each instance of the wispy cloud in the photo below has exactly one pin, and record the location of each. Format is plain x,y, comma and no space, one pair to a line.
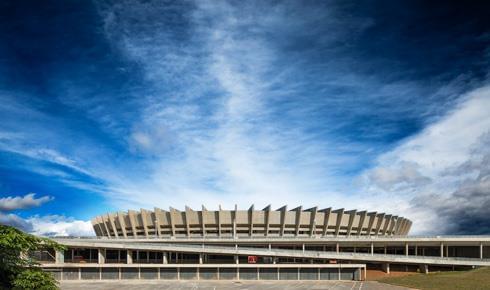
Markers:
244,102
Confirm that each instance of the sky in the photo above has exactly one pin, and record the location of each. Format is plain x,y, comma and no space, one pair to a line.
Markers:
114,105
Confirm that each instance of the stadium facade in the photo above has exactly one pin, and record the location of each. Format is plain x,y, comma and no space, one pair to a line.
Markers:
282,244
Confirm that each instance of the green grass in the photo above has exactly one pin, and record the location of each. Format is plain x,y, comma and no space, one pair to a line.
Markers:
478,279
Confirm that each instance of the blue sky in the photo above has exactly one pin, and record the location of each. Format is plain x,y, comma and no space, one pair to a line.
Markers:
115,105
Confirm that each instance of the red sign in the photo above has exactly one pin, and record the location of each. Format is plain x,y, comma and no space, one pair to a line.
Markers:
252,259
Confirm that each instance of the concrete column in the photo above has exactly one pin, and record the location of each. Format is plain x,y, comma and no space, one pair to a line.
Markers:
129,257
481,251
303,247
442,250
424,269
165,258
101,256
354,249
200,258
416,250
236,259
406,249
385,251
270,247
337,247
59,257
386,268
447,251
372,249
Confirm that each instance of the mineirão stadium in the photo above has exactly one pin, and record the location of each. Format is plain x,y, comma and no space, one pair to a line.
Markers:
282,244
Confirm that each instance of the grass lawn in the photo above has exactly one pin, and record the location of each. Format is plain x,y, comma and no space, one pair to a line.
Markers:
477,279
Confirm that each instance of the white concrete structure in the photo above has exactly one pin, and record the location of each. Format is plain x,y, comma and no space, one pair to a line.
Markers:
237,244
297,222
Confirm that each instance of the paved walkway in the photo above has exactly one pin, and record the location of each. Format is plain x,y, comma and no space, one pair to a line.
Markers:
228,285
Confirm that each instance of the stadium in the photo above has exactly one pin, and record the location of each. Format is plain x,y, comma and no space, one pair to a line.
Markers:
251,244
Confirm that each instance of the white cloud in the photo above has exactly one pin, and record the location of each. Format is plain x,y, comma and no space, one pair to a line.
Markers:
15,221
27,201
444,163
55,225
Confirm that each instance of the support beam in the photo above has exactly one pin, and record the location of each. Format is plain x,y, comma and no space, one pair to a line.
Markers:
340,215
220,211
283,210
144,220
132,222
360,226
298,210
59,257
393,222
388,218
187,215
386,268
352,216
313,211
371,219
380,218
158,221
112,224
235,213
251,219
129,257
120,218
481,251
171,217
101,256
267,213
203,220
326,220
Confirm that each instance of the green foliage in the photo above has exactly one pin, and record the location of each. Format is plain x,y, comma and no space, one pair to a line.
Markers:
34,279
17,268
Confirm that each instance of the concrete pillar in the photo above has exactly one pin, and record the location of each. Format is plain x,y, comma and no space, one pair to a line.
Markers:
447,251
416,250
442,250
101,256
270,247
129,257
406,249
424,269
481,251
385,251
165,258
372,249
337,247
200,258
236,259
386,268
303,247
59,257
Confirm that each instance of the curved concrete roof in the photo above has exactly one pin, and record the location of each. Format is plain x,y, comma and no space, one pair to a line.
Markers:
297,222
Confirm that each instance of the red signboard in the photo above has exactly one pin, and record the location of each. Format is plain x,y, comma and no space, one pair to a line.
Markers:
252,259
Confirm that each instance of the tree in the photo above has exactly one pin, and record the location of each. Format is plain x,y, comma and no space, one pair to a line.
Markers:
18,270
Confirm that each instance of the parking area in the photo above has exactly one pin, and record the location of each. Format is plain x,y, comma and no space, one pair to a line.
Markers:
228,285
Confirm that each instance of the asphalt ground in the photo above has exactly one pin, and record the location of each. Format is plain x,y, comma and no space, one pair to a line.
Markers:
228,285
